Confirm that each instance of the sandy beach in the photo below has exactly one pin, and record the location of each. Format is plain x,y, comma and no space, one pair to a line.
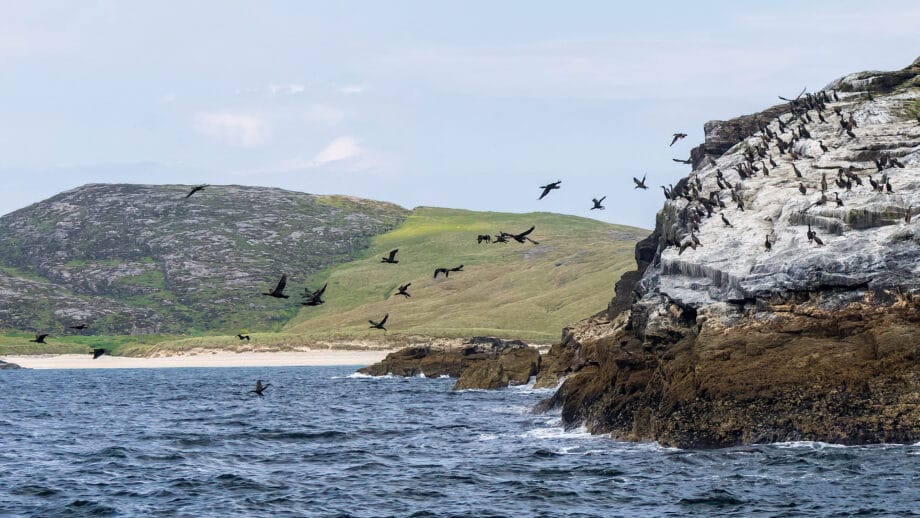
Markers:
250,359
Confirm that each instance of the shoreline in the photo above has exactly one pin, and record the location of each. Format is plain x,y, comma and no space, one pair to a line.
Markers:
309,358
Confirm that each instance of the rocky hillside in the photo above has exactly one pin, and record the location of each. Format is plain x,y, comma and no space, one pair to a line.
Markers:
740,325
146,259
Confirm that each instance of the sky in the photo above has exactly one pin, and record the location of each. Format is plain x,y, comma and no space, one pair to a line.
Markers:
469,104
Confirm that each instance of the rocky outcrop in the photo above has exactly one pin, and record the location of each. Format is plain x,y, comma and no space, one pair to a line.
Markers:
481,363
733,342
146,259
8,366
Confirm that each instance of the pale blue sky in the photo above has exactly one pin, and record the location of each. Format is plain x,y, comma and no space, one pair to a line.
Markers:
464,104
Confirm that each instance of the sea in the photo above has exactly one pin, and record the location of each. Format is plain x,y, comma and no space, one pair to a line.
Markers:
323,441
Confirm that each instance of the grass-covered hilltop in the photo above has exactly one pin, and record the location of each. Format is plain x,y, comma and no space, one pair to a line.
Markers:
147,269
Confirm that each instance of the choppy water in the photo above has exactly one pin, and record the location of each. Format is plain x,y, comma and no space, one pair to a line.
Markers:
192,442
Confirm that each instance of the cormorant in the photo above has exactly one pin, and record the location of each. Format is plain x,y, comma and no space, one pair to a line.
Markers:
242,337
99,352
677,136
823,147
403,290
40,339
798,173
802,188
520,238
195,189
767,243
390,258
445,271
379,325
483,237
313,298
640,184
725,220
260,388
278,292
549,187
837,199
79,327
688,161
597,203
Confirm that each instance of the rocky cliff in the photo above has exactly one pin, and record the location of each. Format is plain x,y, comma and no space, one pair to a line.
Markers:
779,295
146,259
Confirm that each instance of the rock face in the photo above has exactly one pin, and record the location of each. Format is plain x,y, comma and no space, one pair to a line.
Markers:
145,259
481,363
8,366
732,342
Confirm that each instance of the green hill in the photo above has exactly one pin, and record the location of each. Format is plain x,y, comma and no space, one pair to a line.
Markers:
507,290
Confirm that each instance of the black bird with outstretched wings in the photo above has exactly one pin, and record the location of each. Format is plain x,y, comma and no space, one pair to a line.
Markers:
597,203
40,339
549,187
390,258
278,292
313,298
640,184
403,290
379,325
677,136
97,352
197,188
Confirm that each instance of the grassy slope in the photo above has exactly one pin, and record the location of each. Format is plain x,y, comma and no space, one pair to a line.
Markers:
507,290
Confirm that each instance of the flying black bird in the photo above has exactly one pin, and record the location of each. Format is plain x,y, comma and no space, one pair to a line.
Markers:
99,352
688,161
390,258
640,185
549,187
501,238
79,327
597,203
403,290
197,188
40,339
278,292
313,298
379,325
677,136
242,337
260,388
520,238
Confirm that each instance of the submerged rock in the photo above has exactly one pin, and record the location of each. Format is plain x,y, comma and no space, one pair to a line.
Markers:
481,363
8,366
732,342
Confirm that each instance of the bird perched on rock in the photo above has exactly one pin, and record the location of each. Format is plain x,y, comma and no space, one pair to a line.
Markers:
677,136
379,325
391,259
40,339
260,388
403,290
99,352
908,216
798,174
549,187
640,184
278,292
802,188
725,220
597,203
197,188
838,200
314,298
767,243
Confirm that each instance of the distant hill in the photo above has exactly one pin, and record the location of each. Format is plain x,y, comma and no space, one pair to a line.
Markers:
145,259
508,290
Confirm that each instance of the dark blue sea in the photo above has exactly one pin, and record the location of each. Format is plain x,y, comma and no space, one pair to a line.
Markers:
193,442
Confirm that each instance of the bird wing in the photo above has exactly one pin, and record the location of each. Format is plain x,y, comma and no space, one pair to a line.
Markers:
281,284
526,232
546,189
602,200
393,254
384,321
320,291
41,337
676,138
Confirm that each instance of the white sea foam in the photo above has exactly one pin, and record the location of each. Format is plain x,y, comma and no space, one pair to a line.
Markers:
557,432
361,375
814,445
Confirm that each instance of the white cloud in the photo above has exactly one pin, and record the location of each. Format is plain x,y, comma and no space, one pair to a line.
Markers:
287,89
237,129
342,148
353,89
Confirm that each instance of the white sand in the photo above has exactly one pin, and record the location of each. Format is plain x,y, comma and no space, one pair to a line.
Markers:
271,359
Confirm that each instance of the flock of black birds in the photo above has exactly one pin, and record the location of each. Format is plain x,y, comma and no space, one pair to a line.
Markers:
805,112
